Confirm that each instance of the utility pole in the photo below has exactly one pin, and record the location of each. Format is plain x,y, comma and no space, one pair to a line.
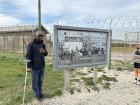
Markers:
109,66
39,15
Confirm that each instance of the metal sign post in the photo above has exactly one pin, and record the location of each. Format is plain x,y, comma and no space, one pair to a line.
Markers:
95,75
66,79
109,65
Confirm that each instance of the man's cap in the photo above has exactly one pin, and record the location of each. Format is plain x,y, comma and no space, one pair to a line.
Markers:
39,33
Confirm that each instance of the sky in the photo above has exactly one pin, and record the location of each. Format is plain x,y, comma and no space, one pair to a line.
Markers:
26,11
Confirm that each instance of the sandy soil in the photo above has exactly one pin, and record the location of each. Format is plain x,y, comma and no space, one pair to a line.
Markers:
123,92
121,56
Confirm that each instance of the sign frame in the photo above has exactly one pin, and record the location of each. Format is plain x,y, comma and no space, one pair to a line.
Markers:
71,28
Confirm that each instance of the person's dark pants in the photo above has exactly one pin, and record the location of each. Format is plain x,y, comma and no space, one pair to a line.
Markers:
37,81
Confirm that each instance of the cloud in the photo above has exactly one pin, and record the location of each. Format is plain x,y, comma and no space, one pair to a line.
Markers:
67,12
9,20
27,10
53,7
19,8
103,8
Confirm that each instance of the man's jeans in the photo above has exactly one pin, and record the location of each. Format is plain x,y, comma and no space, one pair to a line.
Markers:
37,81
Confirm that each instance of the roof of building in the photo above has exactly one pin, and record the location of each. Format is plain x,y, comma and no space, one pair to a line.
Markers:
20,28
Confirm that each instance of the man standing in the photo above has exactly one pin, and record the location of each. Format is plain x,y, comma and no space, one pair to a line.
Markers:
35,53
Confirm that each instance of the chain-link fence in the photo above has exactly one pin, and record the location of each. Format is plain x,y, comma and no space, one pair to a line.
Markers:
13,38
125,32
124,50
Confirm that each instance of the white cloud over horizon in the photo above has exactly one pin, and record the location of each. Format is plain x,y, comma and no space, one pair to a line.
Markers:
7,20
64,11
27,10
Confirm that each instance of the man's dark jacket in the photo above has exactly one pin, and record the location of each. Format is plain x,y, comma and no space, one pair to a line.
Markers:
37,60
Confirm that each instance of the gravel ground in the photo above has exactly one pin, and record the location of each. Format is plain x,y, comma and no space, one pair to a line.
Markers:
123,92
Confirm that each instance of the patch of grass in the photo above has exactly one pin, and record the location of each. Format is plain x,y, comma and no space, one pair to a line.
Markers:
71,90
116,75
88,90
72,69
78,90
88,81
50,65
15,100
119,68
104,72
90,71
57,92
12,68
95,88
104,81
100,69
106,78
54,82
1,86
81,73
74,80
72,73
121,49
135,101
122,65
106,86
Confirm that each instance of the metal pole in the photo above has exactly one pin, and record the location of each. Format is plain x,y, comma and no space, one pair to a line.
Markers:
39,14
95,75
66,78
100,44
138,39
125,44
23,46
109,66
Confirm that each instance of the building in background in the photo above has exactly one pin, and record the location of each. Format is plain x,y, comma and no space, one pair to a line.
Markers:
17,37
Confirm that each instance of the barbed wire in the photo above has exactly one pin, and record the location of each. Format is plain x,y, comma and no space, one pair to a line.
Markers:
126,23
118,25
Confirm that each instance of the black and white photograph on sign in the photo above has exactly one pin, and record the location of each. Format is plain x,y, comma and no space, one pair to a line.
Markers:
80,47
